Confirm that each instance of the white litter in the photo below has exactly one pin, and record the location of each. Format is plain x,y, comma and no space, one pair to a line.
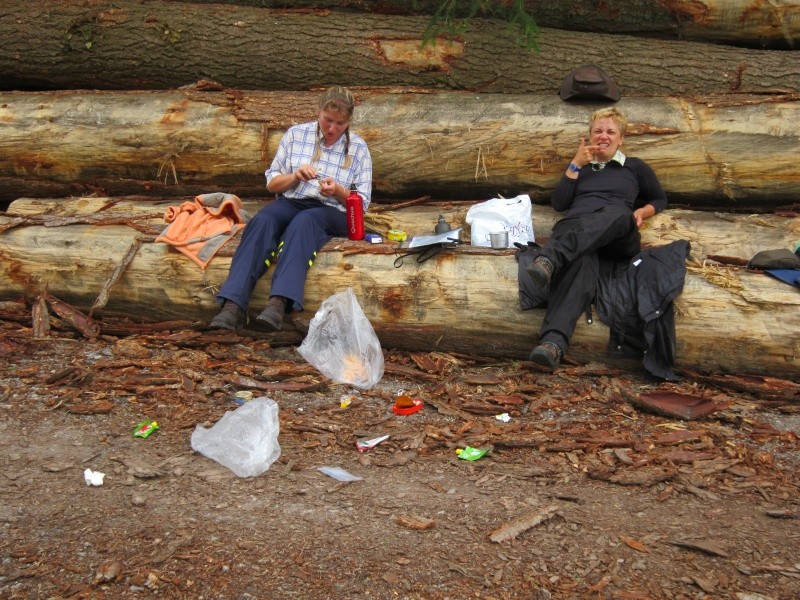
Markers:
93,477
339,474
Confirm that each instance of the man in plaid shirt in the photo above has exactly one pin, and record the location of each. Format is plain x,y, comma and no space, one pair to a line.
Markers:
311,174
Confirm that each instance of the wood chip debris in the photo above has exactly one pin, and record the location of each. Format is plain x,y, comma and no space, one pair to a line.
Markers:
633,543
108,571
645,476
783,514
710,548
415,522
85,325
511,529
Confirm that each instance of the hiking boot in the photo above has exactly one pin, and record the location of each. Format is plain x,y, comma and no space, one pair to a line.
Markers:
541,270
230,317
273,314
546,354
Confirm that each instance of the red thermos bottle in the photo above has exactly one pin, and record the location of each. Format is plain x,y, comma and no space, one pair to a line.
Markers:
355,215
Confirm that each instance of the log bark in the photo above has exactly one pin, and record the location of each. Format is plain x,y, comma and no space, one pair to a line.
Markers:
465,300
739,22
447,145
133,44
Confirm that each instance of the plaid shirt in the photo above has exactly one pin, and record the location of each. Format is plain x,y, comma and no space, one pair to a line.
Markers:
297,148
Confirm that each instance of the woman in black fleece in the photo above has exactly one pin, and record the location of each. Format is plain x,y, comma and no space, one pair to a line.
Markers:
607,196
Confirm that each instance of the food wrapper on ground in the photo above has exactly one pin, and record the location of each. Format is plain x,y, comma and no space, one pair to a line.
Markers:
364,445
339,474
243,396
470,453
145,428
406,406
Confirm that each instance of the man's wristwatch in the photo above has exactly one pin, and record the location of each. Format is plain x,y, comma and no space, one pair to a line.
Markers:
574,168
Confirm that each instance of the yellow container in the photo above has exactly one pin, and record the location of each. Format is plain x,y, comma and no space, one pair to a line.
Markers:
397,235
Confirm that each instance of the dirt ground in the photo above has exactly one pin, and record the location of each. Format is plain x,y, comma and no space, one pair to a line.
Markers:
581,494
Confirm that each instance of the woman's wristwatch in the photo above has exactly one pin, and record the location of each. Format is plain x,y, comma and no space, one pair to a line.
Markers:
574,168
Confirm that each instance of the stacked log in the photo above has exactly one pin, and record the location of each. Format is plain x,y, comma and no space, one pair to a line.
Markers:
197,95
157,44
448,145
466,300
698,109
711,234
755,24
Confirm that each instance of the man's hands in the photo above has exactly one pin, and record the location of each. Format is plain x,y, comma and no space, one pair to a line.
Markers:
305,173
327,187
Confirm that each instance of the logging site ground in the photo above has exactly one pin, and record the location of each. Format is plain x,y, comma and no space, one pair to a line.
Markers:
580,495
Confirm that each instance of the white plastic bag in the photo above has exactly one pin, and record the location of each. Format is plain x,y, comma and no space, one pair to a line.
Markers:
501,214
245,440
342,344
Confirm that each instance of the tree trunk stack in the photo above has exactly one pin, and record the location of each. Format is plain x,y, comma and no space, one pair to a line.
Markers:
110,112
448,145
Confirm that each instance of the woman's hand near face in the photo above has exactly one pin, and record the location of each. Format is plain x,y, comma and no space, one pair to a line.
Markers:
584,155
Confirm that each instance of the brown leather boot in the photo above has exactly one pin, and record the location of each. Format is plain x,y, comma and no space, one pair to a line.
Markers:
273,314
541,270
230,317
546,354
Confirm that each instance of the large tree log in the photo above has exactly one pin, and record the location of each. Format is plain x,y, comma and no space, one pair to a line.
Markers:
132,44
464,300
710,234
751,23
447,145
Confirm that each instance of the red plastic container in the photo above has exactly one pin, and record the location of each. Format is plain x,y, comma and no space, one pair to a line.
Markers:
355,215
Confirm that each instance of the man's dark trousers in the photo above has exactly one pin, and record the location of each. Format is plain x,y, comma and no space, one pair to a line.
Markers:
289,232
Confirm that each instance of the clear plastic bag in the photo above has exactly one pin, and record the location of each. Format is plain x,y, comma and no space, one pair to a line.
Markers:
342,344
245,440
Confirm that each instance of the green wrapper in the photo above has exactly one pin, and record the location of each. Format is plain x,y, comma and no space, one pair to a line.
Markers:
145,428
470,453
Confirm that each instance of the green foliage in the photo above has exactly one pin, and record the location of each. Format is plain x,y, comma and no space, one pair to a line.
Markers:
171,35
452,18
84,33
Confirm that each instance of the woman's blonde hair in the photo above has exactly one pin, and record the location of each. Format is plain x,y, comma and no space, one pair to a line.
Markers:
341,100
613,113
